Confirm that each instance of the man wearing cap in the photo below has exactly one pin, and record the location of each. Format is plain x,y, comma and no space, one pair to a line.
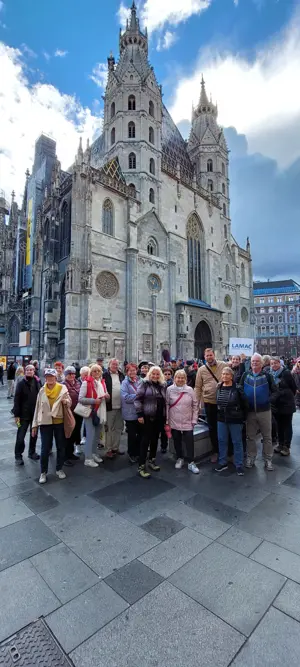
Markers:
24,406
100,362
173,364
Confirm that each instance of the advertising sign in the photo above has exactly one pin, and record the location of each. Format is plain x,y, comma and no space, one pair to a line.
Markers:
3,362
241,346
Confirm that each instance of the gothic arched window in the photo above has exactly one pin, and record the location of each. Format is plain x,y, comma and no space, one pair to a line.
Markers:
112,110
65,230
195,240
152,166
46,239
227,273
113,136
243,275
223,188
151,196
14,330
151,108
210,185
108,217
132,161
131,103
224,210
225,231
209,165
62,320
223,169
151,135
131,130
152,247
132,190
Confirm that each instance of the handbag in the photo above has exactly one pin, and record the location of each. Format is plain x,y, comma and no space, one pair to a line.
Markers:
95,418
69,421
83,410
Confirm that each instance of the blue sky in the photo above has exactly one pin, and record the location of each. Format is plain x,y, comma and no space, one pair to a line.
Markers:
52,73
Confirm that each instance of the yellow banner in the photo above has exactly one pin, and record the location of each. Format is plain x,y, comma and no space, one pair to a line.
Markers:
28,240
3,362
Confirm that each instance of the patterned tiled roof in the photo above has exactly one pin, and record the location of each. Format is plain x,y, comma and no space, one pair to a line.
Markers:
174,150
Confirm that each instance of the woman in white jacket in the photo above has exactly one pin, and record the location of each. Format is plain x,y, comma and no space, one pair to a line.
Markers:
92,406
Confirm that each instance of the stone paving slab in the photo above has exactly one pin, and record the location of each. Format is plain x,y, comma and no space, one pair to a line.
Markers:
130,492
162,527
215,508
24,539
206,524
38,500
170,555
133,581
288,600
165,627
147,510
278,559
239,541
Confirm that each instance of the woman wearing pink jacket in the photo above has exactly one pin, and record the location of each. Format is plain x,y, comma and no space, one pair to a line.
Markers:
181,416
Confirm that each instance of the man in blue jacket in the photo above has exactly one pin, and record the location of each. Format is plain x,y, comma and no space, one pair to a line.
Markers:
258,388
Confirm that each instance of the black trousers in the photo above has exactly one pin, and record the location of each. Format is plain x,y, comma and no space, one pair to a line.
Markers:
134,437
163,439
151,430
284,429
188,438
211,416
20,440
47,433
74,438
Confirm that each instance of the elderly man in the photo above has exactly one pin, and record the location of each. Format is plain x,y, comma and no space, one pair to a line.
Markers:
207,379
113,379
258,387
24,405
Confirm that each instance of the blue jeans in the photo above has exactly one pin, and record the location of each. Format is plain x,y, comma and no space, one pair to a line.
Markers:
47,432
235,431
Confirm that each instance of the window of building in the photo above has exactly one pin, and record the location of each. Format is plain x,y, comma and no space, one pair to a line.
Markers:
210,185
261,300
279,309
279,299
243,275
262,310
291,309
112,110
151,196
131,130
270,299
152,166
224,210
131,103
151,108
272,330
227,301
263,330
152,247
132,161
175,209
14,329
225,231
132,190
209,165
223,188
271,310
271,319
151,135
291,298
262,320
108,217
280,330
65,230
62,319
291,318
113,136
46,245
292,329
223,169
280,318
195,245
227,272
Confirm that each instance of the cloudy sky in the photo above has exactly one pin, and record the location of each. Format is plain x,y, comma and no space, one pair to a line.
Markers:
53,73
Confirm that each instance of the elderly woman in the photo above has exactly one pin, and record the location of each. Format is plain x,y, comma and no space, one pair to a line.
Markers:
73,387
92,400
59,367
129,389
150,405
231,407
49,418
115,424
83,374
296,376
182,416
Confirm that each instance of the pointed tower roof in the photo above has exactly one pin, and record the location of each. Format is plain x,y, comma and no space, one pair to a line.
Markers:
204,119
133,47
203,101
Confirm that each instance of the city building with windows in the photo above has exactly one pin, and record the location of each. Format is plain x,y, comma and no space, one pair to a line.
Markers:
277,317
130,251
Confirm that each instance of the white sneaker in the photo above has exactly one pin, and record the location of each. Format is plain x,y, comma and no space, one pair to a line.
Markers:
179,463
193,468
98,459
268,465
91,463
249,462
78,450
82,441
61,474
43,478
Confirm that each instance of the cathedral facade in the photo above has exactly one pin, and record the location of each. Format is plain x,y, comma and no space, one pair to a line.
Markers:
130,252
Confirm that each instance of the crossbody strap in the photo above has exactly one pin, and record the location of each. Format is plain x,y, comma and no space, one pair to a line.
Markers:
177,401
213,375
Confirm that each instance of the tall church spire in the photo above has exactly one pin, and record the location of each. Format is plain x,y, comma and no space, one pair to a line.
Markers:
133,34
203,96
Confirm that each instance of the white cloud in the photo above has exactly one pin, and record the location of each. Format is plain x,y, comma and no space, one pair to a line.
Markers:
166,41
26,111
259,99
27,51
1,5
156,14
99,75
123,14
46,55
60,54
236,2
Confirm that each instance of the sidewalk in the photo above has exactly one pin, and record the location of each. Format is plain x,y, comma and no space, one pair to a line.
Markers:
176,571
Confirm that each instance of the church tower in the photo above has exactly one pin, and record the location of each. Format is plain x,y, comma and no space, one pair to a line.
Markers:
209,153
133,115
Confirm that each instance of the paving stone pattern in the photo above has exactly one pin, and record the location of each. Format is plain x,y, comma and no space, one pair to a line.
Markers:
200,571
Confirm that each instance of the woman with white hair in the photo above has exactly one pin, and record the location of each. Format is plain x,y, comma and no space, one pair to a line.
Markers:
92,407
182,416
150,405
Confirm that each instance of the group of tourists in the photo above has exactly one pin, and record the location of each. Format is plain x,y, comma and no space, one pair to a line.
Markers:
85,411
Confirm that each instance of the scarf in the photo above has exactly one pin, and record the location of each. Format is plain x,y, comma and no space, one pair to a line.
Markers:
52,395
91,391
276,375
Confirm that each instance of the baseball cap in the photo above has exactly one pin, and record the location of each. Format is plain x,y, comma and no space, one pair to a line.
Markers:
70,369
50,371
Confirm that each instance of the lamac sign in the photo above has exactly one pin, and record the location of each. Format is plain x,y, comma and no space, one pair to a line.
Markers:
241,346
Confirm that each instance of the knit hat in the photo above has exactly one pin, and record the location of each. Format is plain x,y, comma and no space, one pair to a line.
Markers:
70,369
50,371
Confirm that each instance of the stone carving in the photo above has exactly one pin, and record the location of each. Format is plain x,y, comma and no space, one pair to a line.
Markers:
244,314
107,284
152,262
147,343
192,228
227,301
154,283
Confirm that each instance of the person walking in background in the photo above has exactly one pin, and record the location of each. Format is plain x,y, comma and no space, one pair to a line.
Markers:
73,387
150,405
1,374
11,374
35,363
182,416
25,398
59,367
92,407
191,373
113,379
207,380
238,367
296,376
134,429
266,360
168,375
258,388
284,405
49,418
231,412
19,376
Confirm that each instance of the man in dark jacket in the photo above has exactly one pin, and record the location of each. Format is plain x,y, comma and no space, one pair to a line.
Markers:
24,405
258,388
11,372
283,405
190,373
113,379
238,368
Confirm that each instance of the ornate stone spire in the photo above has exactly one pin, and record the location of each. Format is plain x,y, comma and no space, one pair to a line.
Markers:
133,34
13,194
203,102
79,157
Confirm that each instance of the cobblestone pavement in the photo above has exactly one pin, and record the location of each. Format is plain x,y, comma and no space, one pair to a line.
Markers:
176,570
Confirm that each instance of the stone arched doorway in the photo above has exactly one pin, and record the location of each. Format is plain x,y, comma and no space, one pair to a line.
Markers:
203,339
